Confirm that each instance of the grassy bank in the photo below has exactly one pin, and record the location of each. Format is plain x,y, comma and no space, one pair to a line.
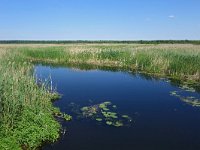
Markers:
175,61
26,111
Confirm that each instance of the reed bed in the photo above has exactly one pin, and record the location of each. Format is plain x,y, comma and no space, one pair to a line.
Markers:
179,61
26,111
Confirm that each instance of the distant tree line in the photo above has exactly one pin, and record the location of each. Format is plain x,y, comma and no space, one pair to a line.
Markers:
100,41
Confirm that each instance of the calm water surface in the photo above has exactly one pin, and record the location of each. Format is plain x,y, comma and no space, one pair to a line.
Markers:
160,121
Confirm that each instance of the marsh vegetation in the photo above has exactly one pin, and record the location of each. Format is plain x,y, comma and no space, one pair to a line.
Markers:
175,61
104,112
26,111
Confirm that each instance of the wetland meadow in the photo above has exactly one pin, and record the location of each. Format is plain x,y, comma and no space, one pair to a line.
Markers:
100,96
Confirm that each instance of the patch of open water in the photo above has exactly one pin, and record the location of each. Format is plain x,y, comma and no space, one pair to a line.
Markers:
160,121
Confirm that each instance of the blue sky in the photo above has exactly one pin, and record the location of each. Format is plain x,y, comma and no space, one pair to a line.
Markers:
99,19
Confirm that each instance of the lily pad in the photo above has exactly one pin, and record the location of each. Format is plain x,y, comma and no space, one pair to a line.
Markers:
191,100
105,113
118,124
99,119
110,115
84,109
125,116
109,123
114,106
67,117
173,93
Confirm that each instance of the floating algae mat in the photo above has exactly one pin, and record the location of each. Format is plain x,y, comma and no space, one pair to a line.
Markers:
105,113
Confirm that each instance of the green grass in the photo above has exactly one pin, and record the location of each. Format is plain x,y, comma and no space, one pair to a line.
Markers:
26,111
174,61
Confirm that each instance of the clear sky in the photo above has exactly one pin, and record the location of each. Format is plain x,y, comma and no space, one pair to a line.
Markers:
99,19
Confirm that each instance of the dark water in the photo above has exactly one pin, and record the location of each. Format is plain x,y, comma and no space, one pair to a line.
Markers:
160,121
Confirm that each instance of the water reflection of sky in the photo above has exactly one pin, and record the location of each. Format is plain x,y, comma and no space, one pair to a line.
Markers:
161,121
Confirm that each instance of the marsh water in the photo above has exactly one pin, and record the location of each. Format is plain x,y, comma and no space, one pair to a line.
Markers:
159,121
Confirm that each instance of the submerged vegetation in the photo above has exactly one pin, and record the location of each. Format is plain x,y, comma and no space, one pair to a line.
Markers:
26,110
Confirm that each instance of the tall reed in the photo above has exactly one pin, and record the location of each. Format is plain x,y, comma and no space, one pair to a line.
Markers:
180,61
26,111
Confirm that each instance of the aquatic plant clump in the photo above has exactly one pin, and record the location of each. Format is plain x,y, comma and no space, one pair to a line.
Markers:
26,111
186,90
57,113
106,113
